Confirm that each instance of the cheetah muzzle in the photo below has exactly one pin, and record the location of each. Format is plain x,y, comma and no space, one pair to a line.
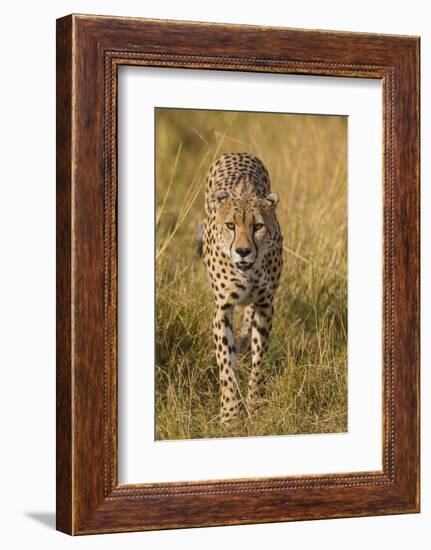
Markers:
242,251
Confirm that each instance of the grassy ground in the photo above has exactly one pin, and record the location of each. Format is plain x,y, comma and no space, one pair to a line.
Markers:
306,366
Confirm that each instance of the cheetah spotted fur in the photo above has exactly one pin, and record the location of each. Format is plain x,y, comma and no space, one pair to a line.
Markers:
242,252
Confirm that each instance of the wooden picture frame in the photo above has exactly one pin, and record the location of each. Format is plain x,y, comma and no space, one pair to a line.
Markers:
89,51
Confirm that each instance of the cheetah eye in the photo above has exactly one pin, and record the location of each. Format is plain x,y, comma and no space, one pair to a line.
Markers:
230,225
257,226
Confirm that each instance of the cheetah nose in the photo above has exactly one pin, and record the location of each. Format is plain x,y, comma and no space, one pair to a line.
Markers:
243,252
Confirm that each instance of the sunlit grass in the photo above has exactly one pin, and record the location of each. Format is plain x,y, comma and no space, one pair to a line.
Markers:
306,366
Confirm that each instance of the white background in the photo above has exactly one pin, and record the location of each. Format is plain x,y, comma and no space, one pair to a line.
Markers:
27,122
141,458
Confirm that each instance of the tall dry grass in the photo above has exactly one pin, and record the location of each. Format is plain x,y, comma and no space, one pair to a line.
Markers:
306,366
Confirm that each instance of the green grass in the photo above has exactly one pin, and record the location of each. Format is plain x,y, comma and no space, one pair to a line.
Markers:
306,365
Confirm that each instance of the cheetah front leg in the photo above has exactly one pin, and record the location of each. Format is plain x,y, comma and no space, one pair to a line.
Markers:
226,361
260,332
244,336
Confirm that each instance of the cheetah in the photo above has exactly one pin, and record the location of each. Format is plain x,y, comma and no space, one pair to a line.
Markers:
241,246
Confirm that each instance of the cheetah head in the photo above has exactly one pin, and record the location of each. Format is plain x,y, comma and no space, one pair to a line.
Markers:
246,226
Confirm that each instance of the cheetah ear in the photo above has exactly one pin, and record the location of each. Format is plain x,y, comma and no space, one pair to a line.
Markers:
221,196
271,199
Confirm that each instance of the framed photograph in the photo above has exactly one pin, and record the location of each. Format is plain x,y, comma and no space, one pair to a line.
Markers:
237,274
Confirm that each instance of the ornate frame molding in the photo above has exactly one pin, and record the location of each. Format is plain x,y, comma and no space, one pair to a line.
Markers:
90,49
